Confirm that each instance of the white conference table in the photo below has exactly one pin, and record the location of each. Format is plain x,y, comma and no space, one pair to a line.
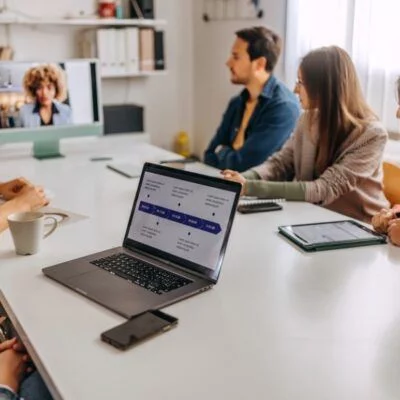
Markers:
280,324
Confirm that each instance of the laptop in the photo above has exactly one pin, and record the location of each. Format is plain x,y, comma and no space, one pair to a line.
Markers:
173,247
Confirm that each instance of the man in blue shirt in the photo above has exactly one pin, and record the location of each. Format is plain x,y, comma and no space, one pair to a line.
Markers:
261,118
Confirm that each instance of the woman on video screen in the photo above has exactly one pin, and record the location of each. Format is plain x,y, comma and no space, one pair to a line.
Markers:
46,86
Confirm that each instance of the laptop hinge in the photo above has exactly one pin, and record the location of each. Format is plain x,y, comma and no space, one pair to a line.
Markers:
170,264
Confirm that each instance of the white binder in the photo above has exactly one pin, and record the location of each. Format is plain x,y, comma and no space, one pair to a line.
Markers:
132,50
112,52
103,52
120,52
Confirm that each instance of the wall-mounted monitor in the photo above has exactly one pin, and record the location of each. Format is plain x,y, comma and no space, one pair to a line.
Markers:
43,102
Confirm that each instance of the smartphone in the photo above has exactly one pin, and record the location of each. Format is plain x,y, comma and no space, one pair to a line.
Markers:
258,207
139,328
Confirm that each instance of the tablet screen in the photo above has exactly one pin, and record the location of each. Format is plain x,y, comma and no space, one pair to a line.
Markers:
332,232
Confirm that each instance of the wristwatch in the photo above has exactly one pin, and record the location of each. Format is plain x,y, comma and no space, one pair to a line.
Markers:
5,329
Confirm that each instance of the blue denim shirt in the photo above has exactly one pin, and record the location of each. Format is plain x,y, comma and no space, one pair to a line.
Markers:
271,124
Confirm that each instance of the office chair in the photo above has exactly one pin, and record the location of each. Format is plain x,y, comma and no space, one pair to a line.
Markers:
391,182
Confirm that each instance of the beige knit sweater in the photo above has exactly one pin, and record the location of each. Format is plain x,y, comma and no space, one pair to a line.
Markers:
351,186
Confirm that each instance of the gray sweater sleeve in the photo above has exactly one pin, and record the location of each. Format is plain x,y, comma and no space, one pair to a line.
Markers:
251,174
295,191
255,186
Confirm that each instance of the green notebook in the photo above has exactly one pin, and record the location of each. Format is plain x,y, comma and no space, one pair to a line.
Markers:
331,235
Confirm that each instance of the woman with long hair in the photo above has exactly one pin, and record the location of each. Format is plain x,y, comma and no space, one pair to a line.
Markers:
334,157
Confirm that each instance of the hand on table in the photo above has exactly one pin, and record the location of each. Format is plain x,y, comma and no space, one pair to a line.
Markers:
394,231
380,221
33,197
234,176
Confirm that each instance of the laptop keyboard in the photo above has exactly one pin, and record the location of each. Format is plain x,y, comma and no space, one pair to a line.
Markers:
149,277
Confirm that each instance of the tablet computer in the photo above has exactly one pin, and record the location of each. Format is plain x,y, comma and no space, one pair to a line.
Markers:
331,235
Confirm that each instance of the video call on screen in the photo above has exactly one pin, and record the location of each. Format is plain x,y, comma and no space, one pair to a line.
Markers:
68,90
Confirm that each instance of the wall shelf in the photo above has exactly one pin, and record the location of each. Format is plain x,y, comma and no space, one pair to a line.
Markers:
94,22
135,75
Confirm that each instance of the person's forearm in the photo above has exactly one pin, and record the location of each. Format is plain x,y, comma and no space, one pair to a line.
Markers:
295,191
9,208
251,175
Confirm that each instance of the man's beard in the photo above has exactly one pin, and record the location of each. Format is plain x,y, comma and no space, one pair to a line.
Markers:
238,81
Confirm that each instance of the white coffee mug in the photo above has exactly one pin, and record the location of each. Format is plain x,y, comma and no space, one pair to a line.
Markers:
27,230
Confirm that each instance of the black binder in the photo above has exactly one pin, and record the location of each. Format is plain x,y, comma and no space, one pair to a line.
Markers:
159,56
146,9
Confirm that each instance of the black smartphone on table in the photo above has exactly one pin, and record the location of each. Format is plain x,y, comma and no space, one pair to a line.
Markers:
139,328
258,207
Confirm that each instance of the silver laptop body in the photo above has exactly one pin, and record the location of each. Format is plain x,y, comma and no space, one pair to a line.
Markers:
175,242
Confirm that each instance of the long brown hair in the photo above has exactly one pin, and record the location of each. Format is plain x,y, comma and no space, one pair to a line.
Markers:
332,85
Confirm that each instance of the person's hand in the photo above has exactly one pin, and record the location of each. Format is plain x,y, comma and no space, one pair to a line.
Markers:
234,176
8,344
380,221
32,197
16,345
396,208
219,148
13,188
12,368
394,231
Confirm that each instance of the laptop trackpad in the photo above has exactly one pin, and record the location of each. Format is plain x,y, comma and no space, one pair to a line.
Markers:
113,292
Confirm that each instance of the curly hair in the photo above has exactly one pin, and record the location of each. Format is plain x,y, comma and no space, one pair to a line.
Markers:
45,73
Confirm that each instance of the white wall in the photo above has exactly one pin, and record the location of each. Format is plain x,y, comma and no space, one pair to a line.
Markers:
168,99
212,42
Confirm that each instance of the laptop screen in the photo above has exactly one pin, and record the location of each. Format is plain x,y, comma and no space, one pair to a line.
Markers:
183,217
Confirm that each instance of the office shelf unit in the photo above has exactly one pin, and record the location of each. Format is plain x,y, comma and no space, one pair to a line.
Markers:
93,23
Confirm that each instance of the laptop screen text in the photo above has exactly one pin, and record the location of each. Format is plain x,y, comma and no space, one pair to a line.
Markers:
185,219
